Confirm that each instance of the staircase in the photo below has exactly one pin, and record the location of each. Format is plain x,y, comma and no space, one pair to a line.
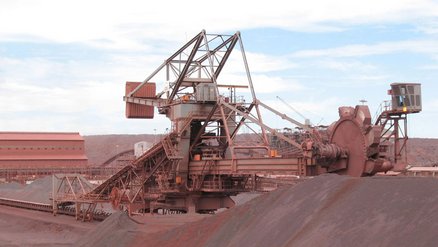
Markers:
381,112
137,184
186,123
205,170
171,152
135,175
105,188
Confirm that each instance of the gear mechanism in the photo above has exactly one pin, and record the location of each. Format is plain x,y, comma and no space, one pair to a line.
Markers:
353,147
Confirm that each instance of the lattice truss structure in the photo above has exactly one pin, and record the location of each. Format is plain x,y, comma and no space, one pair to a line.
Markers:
205,158
200,63
206,117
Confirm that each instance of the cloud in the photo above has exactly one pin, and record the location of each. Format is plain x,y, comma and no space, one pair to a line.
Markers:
428,27
17,97
29,69
318,111
432,105
126,24
90,108
258,62
265,84
348,65
129,39
360,50
433,67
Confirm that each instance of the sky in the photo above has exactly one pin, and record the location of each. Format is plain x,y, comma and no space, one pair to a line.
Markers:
64,64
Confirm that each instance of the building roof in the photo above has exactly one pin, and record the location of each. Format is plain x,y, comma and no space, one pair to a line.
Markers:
40,136
43,157
422,169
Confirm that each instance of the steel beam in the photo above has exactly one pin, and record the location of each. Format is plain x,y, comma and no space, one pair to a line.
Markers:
284,166
167,61
149,102
186,67
262,125
284,116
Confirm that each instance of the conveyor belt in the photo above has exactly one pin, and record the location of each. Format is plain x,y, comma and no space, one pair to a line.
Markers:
100,216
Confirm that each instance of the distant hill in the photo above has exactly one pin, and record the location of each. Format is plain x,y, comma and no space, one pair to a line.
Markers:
99,148
423,151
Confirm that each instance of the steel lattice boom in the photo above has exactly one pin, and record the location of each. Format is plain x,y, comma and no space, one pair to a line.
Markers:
205,158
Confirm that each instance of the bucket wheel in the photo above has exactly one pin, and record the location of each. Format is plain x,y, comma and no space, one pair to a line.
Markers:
355,133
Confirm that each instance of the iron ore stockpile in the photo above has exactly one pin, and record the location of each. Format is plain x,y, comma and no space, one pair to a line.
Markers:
20,227
116,230
328,210
38,191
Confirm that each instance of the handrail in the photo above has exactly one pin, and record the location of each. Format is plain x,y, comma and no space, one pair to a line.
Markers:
383,107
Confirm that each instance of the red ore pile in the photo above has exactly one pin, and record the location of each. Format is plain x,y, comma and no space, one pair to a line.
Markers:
328,210
38,191
116,230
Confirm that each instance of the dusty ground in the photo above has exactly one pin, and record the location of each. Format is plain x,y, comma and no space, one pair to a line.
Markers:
20,227
328,210
120,230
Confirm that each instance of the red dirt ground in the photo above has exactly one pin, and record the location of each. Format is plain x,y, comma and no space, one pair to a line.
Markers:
328,210
20,227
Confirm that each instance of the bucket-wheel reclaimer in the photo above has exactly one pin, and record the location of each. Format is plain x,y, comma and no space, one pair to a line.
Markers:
358,147
205,159
353,146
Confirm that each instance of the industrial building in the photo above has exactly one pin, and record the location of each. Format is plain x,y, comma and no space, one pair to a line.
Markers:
23,150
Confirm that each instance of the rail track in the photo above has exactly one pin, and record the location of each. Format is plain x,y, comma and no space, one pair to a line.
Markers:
99,216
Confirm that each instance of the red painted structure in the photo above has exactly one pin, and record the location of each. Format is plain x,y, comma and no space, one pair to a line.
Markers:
136,110
42,150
